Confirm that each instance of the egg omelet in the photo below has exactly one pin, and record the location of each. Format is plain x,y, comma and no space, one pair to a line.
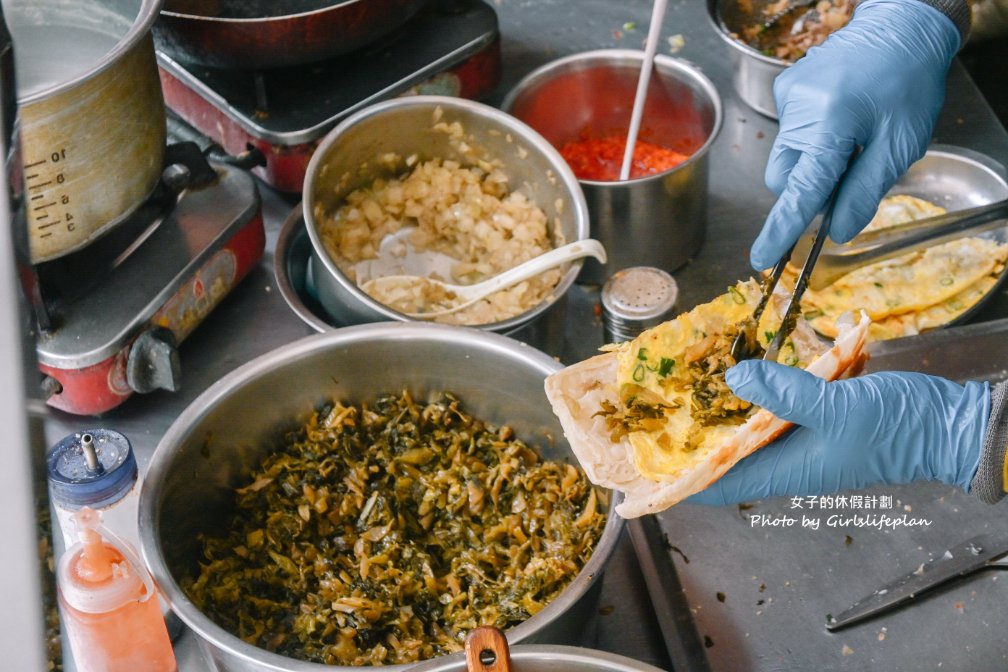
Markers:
913,292
654,418
674,373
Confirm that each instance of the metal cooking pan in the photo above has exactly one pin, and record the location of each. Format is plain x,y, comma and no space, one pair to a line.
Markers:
262,34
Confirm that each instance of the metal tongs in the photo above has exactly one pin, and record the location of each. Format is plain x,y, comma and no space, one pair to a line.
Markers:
746,345
969,557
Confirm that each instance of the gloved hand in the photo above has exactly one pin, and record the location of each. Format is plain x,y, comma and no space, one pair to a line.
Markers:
881,428
877,83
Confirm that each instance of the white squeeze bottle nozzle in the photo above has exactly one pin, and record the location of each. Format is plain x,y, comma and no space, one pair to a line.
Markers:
109,605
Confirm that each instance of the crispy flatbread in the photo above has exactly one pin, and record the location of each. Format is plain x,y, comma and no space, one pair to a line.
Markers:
578,392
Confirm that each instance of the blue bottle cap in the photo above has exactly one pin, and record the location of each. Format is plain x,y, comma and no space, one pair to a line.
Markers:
74,483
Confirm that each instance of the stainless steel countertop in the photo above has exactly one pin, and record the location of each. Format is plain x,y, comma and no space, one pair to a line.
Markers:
725,556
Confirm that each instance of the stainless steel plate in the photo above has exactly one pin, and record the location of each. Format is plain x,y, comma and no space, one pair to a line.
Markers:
956,178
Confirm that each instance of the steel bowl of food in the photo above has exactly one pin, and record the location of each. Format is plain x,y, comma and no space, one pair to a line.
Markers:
368,495
765,37
582,104
548,658
441,188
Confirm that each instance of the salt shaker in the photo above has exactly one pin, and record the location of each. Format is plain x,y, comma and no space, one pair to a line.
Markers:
95,468
635,299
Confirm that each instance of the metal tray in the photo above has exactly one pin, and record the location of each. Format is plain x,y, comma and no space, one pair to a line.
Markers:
956,178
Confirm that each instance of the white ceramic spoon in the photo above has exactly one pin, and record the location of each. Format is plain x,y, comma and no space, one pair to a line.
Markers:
457,297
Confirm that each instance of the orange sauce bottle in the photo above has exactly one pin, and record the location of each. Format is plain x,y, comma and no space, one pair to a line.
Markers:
109,604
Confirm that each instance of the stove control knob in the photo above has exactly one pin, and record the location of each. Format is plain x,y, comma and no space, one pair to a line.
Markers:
153,362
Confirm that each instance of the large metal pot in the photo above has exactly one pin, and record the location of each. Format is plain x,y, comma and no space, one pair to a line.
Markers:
230,427
92,115
658,220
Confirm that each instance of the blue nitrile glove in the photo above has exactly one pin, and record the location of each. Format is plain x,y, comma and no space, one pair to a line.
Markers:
882,428
877,83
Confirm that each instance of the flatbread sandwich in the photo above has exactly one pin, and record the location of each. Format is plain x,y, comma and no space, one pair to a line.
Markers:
654,418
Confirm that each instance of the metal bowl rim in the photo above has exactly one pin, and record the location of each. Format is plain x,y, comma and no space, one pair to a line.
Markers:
150,543
292,227
578,203
254,21
679,65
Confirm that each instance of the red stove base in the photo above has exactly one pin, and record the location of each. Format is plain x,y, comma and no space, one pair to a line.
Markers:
199,253
462,58
99,388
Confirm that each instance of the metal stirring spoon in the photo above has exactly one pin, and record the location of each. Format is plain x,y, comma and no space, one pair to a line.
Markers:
745,345
457,297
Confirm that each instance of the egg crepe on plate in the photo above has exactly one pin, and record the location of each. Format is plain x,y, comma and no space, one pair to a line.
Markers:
653,417
915,291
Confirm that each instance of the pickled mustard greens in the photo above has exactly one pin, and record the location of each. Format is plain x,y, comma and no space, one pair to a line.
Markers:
703,369
383,533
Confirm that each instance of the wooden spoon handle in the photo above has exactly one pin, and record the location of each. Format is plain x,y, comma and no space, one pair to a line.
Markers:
487,650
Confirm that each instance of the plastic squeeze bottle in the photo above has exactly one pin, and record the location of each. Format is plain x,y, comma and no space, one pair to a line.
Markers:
109,604
95,468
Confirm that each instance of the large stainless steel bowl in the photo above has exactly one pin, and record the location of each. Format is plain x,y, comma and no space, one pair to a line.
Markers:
228,429
548,659
348,159
658,220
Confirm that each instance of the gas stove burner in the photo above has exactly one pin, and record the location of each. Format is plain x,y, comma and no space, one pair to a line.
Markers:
66,279
451,48
116,310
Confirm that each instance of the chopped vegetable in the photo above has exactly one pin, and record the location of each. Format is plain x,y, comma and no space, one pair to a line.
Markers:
383,533
813,314
736,295
665,366
601,158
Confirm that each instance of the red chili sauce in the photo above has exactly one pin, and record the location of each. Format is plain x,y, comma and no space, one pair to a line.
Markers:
601,158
